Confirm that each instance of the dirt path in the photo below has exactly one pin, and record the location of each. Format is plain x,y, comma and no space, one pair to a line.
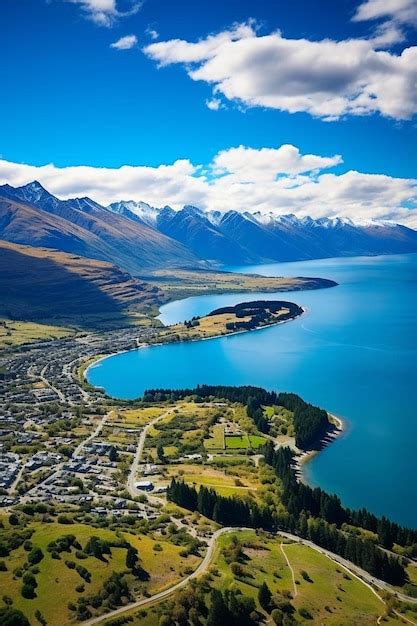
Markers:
291,569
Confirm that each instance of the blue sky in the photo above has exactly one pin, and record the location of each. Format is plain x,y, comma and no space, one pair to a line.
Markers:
71,99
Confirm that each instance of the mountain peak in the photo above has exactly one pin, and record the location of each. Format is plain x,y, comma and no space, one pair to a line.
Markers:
34,187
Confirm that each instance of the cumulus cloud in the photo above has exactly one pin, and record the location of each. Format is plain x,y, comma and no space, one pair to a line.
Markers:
105,12
327,79
251,165
125,43
281,180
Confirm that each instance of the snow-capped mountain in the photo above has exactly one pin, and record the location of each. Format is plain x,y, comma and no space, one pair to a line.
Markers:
236,238
137,235
145,212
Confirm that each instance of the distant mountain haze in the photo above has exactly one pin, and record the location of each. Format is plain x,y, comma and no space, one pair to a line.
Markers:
137,236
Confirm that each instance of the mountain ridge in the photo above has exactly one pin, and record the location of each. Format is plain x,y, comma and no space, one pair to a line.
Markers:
83,226
137,236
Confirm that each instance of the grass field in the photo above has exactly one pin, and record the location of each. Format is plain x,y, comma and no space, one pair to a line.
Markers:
216,441
131,418
244,442
239,481
333,596
18,333
330,597
57,583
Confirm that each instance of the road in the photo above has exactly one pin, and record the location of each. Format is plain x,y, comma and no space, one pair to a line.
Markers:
205,563
94,434
131,487
51,386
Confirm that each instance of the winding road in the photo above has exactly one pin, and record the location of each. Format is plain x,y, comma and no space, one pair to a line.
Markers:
205,563
367,579
364,577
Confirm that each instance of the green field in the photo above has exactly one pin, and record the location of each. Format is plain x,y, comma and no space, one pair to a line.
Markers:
216,441
244,442
241,481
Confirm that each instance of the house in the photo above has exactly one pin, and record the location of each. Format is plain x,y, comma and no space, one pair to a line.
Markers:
144,485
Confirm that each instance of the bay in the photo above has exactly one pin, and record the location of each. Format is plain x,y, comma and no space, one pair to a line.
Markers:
353,352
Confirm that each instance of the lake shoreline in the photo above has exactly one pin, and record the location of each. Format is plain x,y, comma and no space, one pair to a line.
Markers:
194,339
337,428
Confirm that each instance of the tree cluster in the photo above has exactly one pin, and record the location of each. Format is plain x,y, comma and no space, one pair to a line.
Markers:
226,511
310,422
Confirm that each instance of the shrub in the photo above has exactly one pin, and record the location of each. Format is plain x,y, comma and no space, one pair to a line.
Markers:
277,617
305,613
81,555
35,556
3,566
28,592
29,579
13,617
40,618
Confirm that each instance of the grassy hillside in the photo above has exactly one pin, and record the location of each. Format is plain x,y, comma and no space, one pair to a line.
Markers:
40,284
308,587
60,586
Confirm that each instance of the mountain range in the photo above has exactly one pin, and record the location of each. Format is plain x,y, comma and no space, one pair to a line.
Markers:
138,237
233,237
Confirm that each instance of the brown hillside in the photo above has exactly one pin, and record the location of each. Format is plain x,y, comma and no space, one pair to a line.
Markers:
39,284
98,234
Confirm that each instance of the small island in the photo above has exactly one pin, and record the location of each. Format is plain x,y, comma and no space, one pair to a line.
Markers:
241,317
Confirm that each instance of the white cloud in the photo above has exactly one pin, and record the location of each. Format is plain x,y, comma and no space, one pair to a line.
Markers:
326,79
152,33
400,11
396,15
105,12
214,104
281,180
252,165
125,43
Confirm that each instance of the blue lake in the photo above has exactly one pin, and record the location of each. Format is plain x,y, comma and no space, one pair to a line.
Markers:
354,352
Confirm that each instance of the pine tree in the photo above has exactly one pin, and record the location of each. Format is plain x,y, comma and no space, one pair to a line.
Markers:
264,596
218,614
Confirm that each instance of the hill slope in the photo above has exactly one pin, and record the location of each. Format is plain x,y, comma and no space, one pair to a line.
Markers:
32,216
42,284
